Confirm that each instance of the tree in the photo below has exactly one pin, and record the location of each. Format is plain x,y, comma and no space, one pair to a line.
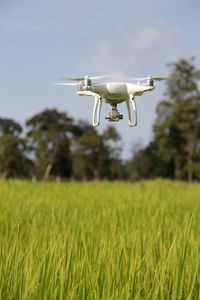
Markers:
94,156
177,125
49,135
13,149
114,166
171,144
146,163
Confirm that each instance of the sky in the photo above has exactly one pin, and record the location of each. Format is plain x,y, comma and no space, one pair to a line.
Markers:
42,40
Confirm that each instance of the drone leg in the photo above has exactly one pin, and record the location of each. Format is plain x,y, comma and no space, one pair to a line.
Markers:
134,110
97,111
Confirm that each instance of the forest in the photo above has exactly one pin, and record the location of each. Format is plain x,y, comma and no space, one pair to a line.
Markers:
54,146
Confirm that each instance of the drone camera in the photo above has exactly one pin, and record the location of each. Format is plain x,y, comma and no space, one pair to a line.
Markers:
109,117
114,115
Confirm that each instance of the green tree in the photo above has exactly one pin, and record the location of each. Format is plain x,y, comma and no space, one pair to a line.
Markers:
171,144
177,125
49,134
95,156
146,163
13,150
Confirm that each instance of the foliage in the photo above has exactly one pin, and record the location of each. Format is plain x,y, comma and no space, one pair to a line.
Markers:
146,163
176,129
8,126
13,160
49,133
94,156
58,146
99,240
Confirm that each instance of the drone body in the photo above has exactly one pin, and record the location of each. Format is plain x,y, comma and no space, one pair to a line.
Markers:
113,93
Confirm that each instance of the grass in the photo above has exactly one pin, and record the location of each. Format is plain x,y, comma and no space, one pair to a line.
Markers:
99,240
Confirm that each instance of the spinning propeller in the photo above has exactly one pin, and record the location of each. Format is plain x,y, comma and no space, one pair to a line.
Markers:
86,79
158,78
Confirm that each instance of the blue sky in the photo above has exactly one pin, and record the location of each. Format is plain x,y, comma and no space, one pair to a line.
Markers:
41,41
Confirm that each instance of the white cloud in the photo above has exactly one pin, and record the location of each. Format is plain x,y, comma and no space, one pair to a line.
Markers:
116,36
145,48
146,36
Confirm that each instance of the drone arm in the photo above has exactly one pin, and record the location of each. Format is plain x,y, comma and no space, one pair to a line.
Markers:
97,111
134,110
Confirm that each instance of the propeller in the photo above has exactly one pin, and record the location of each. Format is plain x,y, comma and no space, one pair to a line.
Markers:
71,83
158,78
65,83
86,77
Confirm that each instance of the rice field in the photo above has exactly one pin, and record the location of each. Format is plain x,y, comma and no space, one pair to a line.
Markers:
99,240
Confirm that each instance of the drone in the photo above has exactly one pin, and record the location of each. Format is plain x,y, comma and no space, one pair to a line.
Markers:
112,93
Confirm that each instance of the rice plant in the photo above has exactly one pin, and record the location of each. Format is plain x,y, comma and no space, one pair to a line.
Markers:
99,240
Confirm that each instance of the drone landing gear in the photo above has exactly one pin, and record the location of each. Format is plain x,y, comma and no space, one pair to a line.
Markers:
132,100
114,115
97,111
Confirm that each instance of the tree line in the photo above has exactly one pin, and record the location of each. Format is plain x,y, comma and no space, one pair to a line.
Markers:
55,146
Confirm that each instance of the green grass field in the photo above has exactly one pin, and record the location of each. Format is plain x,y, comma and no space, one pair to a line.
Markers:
99,240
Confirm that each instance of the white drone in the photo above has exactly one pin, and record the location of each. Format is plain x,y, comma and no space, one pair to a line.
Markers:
112,93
